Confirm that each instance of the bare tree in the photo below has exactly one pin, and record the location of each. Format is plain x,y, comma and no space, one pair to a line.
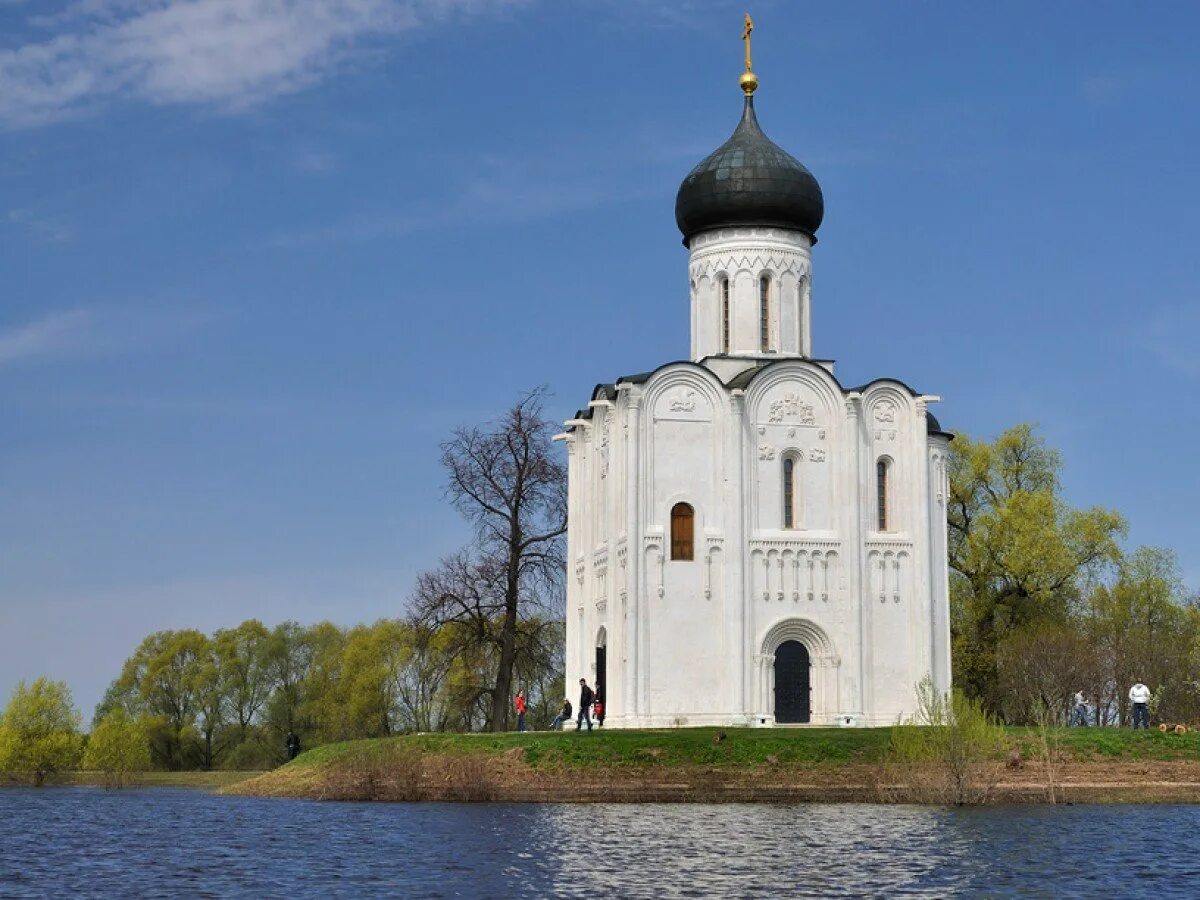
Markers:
506,479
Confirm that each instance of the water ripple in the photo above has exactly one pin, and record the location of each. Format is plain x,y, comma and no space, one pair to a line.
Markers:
166,843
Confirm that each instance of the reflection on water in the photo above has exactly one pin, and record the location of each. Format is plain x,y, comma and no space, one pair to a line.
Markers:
87,841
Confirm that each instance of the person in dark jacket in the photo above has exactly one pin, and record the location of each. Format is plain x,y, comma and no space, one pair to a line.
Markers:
564,716
586,696
293,745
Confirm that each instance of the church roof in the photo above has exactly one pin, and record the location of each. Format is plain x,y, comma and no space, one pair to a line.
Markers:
608,391
749,180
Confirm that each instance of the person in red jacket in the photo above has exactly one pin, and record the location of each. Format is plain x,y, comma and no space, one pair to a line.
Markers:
520,705
598,710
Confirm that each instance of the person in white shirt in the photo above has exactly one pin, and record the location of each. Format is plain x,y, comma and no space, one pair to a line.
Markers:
1139,696
1081,710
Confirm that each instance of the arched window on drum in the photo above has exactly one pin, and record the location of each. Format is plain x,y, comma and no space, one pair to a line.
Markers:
723,288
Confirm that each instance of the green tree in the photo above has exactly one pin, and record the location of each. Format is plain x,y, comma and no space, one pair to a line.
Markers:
289,653
1145,630
1018,553
118,746
242,656
39,732
162,683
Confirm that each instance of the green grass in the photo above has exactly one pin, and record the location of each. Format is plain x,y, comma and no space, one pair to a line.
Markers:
1115,743
207,780
743,746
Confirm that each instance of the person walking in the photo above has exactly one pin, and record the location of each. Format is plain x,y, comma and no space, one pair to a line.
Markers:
564,715
586,698
1079,717
293,745
519,703
1139,696
598,710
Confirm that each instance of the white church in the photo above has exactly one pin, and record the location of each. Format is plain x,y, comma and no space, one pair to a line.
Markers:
750,541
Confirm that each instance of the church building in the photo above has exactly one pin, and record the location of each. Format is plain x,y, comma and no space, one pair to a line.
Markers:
751,542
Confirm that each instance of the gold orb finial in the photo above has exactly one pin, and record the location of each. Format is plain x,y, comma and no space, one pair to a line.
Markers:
748,81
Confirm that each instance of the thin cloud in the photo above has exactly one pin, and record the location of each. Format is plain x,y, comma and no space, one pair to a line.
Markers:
231,54
54,335
500,200
41,228
1168,336
65,335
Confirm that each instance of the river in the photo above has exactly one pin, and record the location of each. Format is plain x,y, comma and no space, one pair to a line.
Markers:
166,842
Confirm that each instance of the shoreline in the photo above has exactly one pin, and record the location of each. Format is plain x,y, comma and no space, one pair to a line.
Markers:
718,766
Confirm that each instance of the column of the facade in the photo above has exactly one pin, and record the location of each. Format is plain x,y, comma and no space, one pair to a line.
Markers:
921,602
574,589
739,616
633,544
860,700
939,572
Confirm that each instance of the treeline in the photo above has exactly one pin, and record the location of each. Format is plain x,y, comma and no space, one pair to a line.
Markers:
1045,602
228,700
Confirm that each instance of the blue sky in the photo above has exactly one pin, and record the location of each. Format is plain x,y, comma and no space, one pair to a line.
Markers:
257,258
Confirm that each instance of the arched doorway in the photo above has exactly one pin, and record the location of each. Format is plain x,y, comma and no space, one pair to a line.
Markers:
601,665
793,684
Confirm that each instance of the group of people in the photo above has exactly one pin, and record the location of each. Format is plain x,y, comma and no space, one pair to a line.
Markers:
1139,700
591,706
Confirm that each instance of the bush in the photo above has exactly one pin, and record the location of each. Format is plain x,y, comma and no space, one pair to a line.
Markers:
39,732
948,753
118,746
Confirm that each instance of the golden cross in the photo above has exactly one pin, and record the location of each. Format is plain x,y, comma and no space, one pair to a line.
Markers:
749,27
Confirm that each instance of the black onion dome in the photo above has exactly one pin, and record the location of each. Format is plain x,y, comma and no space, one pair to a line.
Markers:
749,180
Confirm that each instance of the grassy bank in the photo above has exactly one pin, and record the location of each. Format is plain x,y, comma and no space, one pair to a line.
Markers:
715,765
204,780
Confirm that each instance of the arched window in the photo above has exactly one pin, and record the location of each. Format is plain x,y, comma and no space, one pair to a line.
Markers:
883,492
790,496
764,313
683,521
724,315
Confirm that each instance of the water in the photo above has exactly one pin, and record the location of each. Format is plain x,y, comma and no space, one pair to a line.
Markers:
162,842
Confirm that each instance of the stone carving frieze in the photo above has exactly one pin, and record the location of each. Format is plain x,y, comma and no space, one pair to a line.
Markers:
791,407
682,401
604,440
885,412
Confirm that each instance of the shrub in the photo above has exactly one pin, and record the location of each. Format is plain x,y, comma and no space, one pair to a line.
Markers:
948,753
39,732
118,747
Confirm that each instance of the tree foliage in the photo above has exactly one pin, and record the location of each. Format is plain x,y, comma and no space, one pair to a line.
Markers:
1018,552
118,746
39,732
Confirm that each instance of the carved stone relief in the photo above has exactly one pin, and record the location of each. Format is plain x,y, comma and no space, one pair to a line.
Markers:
684,401
885,411
792,406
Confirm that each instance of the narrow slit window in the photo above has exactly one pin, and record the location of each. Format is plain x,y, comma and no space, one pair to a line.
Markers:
882,487
789,492
724,315
764,313
683,521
